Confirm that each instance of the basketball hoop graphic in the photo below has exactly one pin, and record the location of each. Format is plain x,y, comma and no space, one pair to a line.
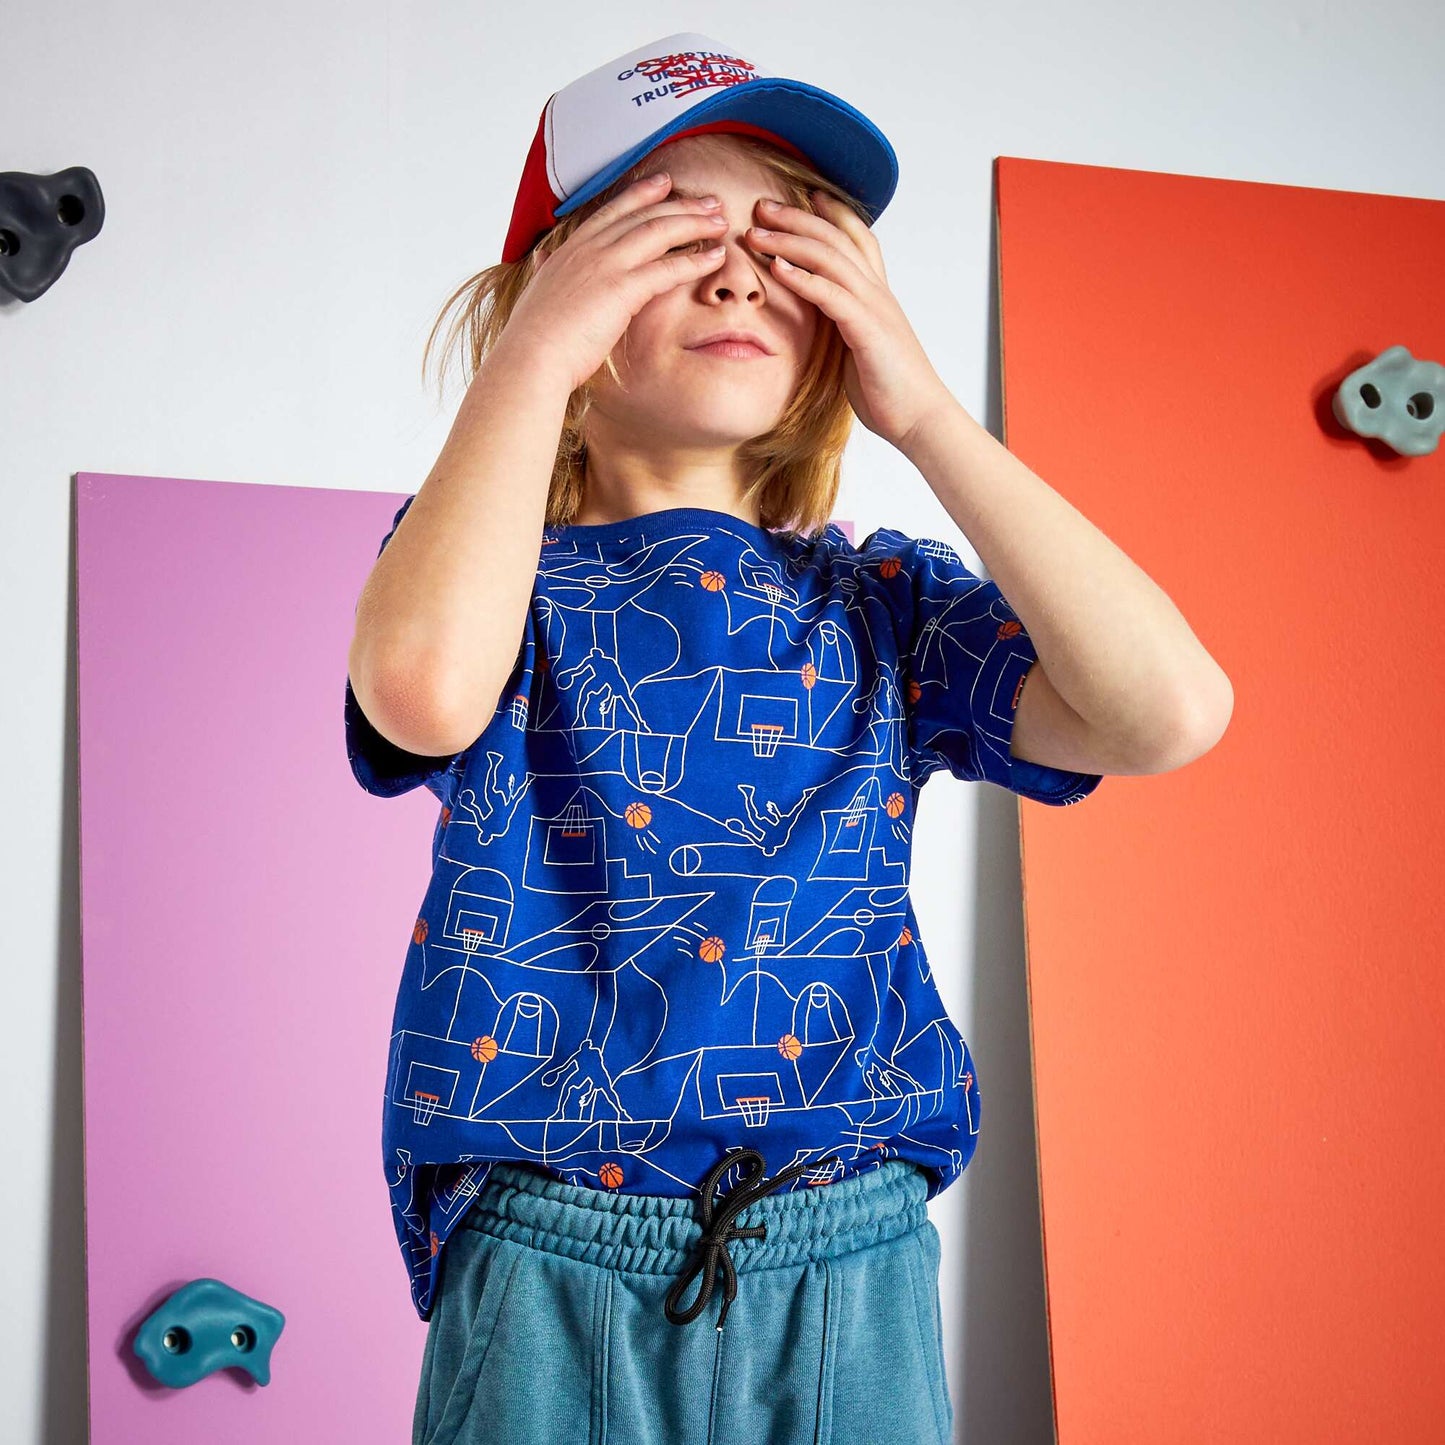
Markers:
423,1106
772,592
471,939
824,1173
574,821
765,738
754,1107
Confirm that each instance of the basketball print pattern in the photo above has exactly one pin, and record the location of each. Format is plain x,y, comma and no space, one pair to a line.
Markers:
669,908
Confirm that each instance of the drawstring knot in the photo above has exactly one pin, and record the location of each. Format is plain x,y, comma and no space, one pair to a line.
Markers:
716,1232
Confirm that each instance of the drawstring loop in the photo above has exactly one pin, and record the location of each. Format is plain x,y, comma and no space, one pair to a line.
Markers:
713,1247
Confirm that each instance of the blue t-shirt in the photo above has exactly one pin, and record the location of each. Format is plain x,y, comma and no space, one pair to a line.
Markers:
669,910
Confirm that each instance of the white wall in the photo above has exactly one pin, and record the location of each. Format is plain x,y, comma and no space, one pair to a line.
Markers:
293,190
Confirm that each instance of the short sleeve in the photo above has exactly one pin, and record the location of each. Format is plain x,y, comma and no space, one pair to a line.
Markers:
377,763
963,657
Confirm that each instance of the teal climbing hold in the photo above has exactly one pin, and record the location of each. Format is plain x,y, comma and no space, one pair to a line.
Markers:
207,1326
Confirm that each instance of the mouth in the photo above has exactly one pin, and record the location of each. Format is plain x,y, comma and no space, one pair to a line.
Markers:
737,350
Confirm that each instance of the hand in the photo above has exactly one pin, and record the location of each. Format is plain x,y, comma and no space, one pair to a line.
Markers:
583,295
834,261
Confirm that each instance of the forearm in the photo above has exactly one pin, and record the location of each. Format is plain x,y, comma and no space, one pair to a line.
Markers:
441,615
1114,646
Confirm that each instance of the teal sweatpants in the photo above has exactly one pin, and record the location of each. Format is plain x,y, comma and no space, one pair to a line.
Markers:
551,1324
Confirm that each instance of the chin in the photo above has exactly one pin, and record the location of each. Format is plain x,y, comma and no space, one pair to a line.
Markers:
746,412
716,428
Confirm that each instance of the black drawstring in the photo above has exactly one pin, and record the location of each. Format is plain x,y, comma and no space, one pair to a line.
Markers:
715,1235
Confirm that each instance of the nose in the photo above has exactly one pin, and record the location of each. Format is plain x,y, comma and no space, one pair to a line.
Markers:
737,275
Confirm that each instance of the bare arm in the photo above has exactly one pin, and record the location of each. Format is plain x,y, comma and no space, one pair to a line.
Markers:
440,617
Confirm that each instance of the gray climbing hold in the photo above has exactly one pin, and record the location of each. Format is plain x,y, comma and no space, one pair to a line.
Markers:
1397,399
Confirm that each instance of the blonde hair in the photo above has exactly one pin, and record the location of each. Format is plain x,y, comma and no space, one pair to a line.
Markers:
793,469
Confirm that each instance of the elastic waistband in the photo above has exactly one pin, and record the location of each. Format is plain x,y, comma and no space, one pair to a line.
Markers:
657,1234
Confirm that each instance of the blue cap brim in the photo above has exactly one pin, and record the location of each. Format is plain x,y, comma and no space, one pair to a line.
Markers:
842,142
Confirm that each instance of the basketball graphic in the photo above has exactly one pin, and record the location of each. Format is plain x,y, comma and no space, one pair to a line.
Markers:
713,581
810,674
710,949
895,805
912,692
638,815
446,815
889,566
789,1047
418,933
611,1175
484,1049
1011,628
906,937
435,1242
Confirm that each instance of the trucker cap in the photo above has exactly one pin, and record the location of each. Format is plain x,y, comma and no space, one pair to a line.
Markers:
601,124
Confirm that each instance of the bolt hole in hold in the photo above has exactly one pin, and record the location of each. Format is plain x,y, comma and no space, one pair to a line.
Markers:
69,211
177,1341
243,1338
1421,406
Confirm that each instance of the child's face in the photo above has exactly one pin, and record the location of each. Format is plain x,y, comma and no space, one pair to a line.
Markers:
680,397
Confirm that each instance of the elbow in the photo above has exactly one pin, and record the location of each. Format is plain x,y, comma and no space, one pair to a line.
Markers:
1215,712
1200,723
405,705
